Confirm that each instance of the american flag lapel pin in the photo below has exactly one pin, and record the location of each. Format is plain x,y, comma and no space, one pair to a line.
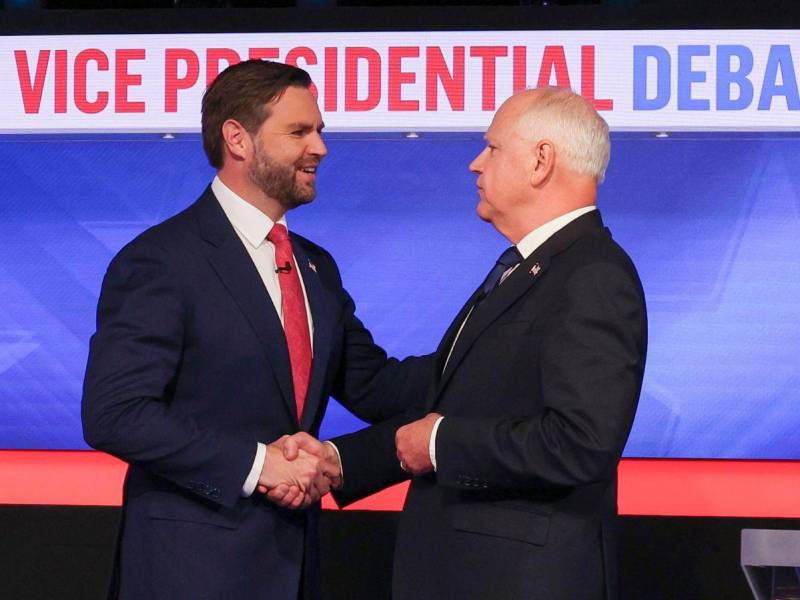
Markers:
312,266
535,269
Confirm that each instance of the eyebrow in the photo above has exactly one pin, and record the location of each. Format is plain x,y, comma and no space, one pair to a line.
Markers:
304,126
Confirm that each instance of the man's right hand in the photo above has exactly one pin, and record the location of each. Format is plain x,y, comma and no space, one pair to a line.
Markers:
330,464
300,446
292,483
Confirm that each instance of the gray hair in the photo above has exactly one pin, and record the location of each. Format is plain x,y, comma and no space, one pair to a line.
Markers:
568,120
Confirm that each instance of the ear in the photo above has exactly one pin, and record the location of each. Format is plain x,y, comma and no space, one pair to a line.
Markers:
236,139
544,161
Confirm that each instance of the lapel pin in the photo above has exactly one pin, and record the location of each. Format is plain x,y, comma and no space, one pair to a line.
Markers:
312,266
535,269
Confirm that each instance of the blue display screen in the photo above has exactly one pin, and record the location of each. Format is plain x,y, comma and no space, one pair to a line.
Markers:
712,222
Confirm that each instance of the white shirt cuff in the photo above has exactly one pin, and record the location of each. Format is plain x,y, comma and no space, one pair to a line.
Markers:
432,443
258,465
339,456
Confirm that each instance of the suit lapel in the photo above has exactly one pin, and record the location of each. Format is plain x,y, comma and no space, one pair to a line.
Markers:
234,267
525,276
322,311
447,341
495,304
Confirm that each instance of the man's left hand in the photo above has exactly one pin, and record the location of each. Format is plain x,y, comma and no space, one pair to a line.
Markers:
413,445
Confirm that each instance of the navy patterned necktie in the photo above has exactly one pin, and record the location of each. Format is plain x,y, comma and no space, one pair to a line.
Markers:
508,259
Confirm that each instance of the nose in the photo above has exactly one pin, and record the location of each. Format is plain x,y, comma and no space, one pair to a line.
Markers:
476,166
317,145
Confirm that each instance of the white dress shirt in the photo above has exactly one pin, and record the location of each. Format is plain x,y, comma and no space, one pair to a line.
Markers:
252,227
526,247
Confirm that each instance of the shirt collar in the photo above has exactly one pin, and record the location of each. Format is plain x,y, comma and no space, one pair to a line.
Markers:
252,224
540,235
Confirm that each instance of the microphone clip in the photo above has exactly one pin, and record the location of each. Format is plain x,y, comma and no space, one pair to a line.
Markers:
286,268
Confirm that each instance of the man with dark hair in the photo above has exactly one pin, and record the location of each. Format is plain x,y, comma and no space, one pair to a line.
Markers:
244,94
218,332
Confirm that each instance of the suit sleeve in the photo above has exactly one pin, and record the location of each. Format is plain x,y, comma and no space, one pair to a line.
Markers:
369,460
591,363
134,359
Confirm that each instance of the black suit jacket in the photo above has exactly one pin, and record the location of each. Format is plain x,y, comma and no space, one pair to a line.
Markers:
539,396
187,371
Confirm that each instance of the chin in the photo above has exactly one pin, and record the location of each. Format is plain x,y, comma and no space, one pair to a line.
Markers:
296,200
484,212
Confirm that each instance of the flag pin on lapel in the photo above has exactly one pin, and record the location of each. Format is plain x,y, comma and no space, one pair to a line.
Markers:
312,266
535,269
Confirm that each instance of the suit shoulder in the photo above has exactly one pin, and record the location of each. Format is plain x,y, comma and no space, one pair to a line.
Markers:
596,264
598,267
163,249
601,248
168,237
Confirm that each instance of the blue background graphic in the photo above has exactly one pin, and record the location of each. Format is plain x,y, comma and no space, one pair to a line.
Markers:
711,220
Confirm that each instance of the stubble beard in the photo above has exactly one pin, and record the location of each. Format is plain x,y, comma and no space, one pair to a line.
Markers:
278,181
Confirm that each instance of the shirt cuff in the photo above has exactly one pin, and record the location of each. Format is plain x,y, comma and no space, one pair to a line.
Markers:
258,465
339,456
432,443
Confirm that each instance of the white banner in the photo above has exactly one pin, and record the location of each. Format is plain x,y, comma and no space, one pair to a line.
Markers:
409,81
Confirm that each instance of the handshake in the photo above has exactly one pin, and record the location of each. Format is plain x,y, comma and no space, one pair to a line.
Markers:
298,470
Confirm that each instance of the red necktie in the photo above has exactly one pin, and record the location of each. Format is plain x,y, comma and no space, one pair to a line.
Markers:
295,318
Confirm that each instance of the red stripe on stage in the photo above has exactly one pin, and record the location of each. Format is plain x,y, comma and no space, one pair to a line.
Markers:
61,477
709,488
694,488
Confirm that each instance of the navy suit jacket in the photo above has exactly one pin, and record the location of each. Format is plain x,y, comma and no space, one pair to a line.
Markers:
538,396
187,371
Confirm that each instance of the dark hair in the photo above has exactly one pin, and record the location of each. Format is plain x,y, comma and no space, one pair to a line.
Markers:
242,92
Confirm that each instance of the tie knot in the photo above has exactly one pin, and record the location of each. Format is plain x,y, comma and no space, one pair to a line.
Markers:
507,259
278,234
510,257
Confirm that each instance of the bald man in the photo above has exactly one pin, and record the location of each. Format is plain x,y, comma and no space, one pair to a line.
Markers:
513,465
